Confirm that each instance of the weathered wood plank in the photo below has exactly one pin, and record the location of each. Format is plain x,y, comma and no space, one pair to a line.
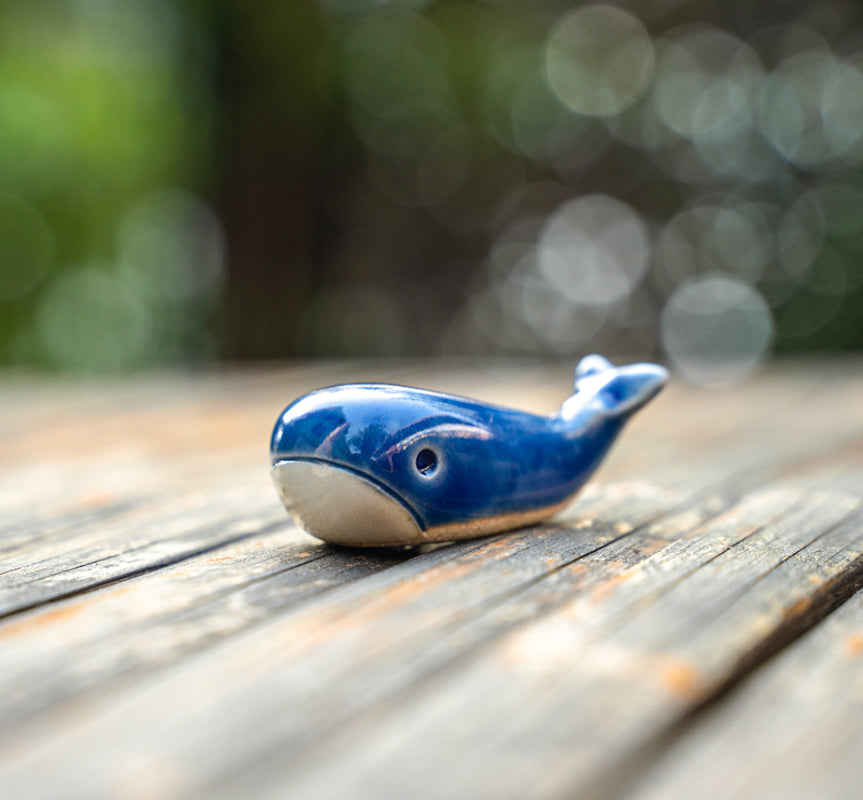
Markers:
53,557
559,707
54,569
374,673
555,658
794,730
191,601
742,441
57,653
423,579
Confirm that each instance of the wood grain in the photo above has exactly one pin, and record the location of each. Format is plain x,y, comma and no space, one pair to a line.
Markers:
794,730
159,610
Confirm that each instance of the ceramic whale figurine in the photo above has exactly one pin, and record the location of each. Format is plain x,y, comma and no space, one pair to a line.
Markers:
381,465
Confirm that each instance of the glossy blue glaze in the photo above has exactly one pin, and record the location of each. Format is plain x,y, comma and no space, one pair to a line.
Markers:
450,460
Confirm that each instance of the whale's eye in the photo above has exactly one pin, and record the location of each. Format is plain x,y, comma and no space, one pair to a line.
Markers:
426,462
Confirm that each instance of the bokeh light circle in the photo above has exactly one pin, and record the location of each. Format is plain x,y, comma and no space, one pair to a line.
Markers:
734,239
716,330
554,319
598,60
26,247
792,112
174,241
594,250
705,82
93,319
842,112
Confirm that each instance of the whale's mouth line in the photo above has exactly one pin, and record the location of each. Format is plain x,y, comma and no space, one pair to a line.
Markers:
360,474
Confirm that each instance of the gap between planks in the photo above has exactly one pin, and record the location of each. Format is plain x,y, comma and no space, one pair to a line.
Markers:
786,734
75,553
340,691
129,601
757,471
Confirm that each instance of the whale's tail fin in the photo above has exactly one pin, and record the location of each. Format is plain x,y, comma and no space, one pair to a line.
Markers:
620,390
590,366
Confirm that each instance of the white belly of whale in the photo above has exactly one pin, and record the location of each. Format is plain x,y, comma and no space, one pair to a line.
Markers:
341,507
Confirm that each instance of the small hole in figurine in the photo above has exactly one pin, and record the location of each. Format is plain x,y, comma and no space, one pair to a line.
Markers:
426,462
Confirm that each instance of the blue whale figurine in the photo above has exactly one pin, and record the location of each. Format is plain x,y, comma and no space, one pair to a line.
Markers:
380,465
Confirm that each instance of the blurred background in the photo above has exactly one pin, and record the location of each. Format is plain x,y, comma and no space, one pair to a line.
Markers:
189,181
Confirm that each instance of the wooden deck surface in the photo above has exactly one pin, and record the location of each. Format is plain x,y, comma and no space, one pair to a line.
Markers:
689,627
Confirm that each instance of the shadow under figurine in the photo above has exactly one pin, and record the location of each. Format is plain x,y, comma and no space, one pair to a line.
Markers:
381,465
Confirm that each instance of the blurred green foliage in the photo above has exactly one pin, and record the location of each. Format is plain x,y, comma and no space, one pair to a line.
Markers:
101,106
185,180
